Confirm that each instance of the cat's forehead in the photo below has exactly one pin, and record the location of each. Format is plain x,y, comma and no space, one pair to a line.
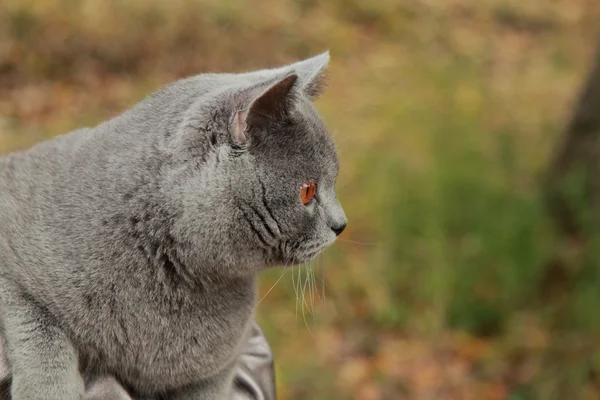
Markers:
304,145
312,130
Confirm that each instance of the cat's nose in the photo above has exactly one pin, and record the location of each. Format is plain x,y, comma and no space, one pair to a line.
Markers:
338,229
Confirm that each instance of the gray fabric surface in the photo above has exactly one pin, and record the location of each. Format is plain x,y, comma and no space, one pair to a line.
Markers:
255,378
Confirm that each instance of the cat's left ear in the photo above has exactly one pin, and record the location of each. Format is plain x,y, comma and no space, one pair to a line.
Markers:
265,103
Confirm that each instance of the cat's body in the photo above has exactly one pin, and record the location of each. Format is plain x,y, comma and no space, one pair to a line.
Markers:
63,194
131,249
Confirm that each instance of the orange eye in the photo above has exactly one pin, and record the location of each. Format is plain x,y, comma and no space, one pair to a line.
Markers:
307,192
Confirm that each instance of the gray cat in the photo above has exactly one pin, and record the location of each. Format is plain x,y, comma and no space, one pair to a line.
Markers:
131,249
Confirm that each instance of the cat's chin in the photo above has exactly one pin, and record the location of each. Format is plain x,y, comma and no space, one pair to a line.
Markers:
310,256
301,259
293,261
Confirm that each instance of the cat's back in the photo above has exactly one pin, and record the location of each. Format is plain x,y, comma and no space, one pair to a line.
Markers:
53,193
159,112
38,164
27,179
28,176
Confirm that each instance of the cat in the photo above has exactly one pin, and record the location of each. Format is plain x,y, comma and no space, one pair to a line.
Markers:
130,250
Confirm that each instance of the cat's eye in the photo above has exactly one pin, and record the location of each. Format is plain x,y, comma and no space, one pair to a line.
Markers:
307,192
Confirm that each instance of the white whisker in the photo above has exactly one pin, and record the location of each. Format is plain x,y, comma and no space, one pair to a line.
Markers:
322,296
310,303
303,303
269,291
359,242
315,292
297,289
304,291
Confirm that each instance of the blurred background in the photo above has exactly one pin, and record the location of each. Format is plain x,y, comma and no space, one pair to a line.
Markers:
452,280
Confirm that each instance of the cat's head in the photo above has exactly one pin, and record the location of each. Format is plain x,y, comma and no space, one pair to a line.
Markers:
264,194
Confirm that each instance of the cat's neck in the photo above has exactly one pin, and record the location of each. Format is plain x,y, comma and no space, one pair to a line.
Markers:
177,294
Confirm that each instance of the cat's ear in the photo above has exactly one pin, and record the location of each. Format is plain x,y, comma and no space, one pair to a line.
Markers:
311,74
267,102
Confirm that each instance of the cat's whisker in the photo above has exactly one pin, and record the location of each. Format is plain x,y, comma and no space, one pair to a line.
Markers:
403,249
303,303
359,105
360,242
310,288
314,279
272,287
322,296
294,286
300,293
355,107
313,291
320,272
297,289
304,290
315,272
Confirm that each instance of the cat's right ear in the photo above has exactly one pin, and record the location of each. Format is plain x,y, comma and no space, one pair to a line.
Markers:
312,74
261,105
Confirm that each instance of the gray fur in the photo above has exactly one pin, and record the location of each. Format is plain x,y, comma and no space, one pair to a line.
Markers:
106,388
130,250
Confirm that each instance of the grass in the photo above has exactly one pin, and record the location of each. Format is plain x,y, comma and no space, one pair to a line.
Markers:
451,280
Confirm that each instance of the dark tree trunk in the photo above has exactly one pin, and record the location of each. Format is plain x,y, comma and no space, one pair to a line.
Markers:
574,175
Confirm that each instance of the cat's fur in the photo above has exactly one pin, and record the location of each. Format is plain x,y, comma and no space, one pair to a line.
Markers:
130,249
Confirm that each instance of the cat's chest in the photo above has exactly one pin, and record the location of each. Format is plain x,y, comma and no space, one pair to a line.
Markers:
181,354
157,350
